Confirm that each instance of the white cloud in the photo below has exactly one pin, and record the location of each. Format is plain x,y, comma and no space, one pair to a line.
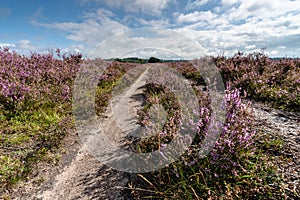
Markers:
262,9
25,45
151,7
6,45
196,3
155,52
229,2
203,20
95,27
274,52
154,23
244,25
22,46
196,17
282,47
250,46
72,49
136,42
230,26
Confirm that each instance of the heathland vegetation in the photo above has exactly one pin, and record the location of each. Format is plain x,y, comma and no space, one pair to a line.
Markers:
36,115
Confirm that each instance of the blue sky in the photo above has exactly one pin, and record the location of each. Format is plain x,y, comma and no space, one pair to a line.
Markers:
117,28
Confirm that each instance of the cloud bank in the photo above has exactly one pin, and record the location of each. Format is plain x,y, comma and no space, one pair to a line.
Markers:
220,27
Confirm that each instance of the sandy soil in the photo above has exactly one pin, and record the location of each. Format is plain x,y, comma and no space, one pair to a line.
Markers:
285,126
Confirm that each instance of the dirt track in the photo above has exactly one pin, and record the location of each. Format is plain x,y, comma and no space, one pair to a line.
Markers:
284,126
85,177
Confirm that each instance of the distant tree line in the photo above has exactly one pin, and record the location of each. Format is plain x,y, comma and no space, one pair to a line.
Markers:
154,60
131,60
143,61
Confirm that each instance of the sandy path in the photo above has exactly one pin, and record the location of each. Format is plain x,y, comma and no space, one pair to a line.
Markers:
87,178
284,126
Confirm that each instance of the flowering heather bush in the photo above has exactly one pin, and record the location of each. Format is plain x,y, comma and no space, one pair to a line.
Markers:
229,167
274,81
186,69
234,141
158,95
35,79
35,108
115,71
236,136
